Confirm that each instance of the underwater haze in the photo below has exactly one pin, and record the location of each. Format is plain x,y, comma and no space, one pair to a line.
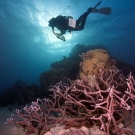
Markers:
28,46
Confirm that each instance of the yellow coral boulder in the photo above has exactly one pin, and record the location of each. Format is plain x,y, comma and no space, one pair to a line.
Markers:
94,60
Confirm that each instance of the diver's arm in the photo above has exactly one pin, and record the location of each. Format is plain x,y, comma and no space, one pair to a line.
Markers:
62,32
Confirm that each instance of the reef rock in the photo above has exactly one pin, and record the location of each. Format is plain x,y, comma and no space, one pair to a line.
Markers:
93,61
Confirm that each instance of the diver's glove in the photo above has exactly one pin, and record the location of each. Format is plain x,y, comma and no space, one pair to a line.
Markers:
59,36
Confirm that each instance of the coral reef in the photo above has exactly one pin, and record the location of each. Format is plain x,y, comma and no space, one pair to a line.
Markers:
101,96
109,102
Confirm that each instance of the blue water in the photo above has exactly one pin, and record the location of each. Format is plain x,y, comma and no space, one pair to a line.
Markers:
28,47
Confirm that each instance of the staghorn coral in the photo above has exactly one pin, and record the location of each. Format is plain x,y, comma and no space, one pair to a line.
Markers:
109,102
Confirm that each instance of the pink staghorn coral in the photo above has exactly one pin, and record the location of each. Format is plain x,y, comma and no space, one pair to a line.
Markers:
109,101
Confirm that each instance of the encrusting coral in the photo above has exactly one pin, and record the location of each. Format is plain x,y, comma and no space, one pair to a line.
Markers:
109,102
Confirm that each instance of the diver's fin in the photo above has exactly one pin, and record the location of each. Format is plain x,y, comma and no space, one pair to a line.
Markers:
104,10
97,4
61,37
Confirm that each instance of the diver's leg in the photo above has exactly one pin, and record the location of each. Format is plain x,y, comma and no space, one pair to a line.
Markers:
80,23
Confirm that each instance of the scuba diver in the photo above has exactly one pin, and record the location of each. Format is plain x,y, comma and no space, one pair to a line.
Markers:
67,23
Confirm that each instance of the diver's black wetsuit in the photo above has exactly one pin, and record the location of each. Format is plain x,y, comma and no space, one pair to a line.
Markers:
62,23
80,23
